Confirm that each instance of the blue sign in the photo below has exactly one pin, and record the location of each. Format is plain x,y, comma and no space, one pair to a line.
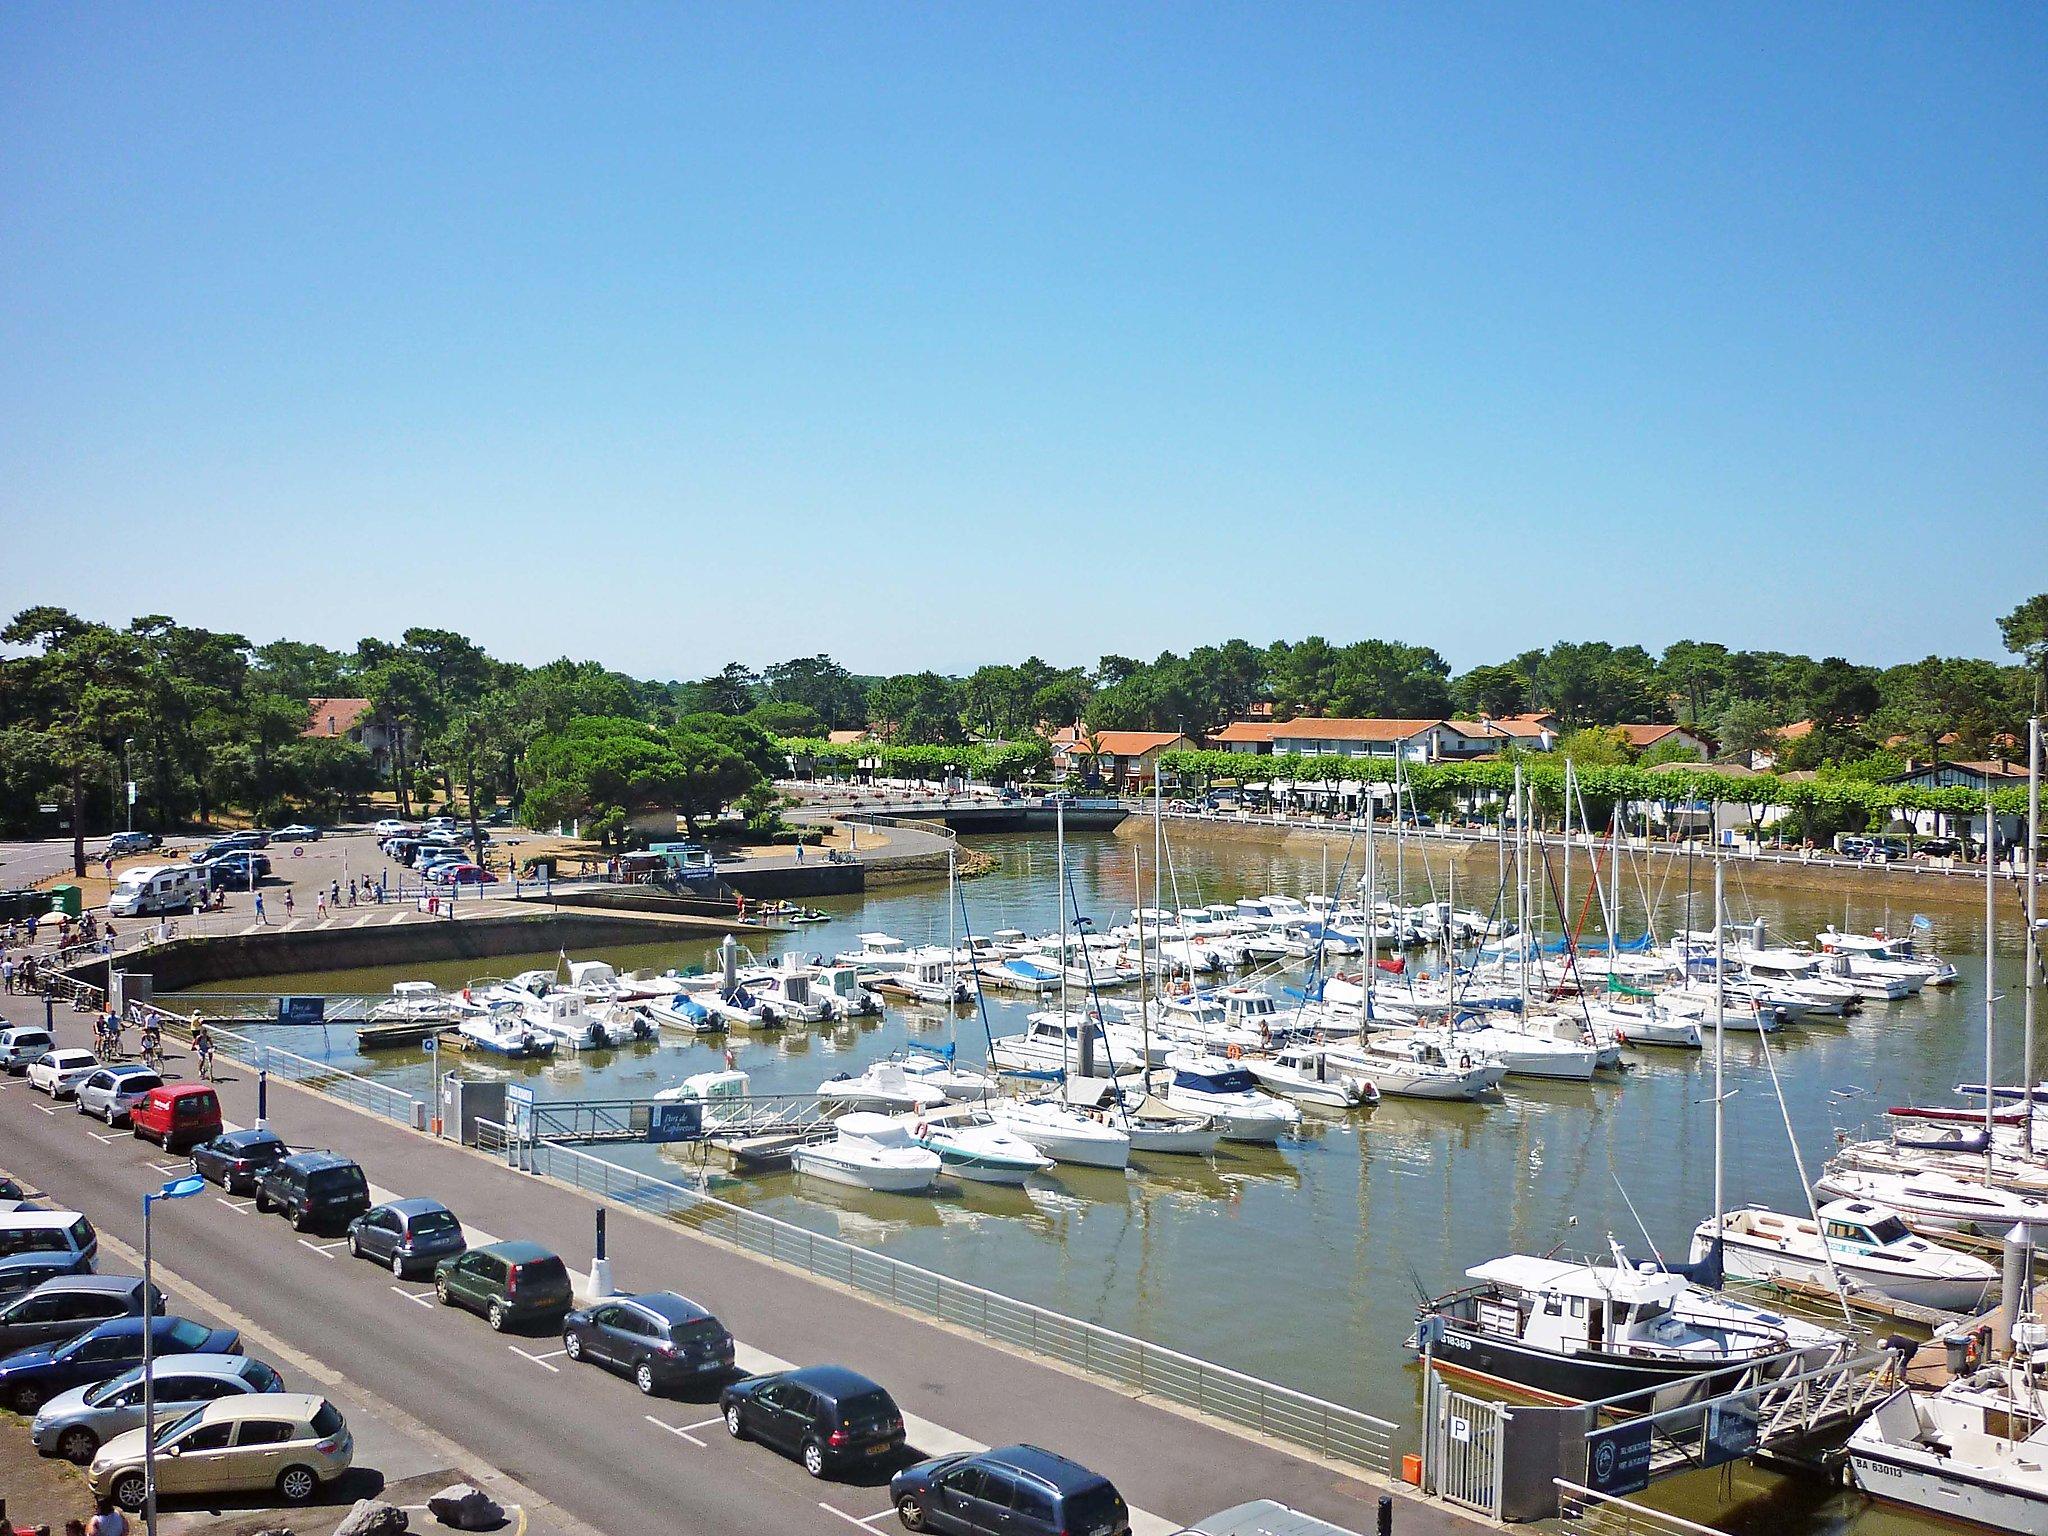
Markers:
301,1010
431,1045
1731,1433
1618,1459
675,1122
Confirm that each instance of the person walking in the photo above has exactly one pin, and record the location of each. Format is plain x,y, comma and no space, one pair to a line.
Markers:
6,973
320,905
287,903
260,916
109,1521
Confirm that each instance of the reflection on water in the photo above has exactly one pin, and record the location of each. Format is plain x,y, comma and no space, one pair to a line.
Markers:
1301,1263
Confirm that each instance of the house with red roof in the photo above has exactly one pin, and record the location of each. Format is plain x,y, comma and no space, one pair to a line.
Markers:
349,720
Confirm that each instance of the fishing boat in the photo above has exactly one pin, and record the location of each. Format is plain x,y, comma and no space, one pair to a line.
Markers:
869,1151
883,1087
1856,1244
1577,1332
976,1147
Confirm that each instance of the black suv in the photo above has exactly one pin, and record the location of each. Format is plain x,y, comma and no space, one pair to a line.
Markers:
825,1414
314,1189
507,1282
1013,1488
238,1160
661,1340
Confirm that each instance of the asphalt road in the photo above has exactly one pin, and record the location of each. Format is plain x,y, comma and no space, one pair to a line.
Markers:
586,1440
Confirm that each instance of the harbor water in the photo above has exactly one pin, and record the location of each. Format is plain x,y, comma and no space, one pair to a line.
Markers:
1303,1263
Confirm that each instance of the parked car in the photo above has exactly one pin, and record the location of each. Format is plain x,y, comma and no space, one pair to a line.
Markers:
459,872
123,844
314,1189
65,1307
23,1044
58,1073
177,1115
25,1271
507,1282
292,1442
64,1239
234,842
825,1415
420,854
113,1091
408,1235
297,832
660,1339
76,1423
1016,1489
30,1377
237,1160
243,867
391,826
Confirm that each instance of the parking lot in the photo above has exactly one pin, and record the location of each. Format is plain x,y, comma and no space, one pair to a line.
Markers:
589,1443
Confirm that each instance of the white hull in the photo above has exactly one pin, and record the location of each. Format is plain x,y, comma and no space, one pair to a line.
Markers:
821,1162
1759,1261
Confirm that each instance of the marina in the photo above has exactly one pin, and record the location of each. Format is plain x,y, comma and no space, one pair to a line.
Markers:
1167,1245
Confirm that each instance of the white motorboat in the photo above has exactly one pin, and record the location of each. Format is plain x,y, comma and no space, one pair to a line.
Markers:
1052,1045
680,1011
1227,1093
737,1008
418,1002
1648,1023
1064,1133
1867,1245
505,1032
1519,1053
724,1095
870,1151
883,1087
562,1017
1938,1199
978,1148
1020,973
1304,1073
786,990
960,1085
1957,1455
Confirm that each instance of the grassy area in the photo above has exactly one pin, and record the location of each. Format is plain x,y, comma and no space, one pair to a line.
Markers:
38,1490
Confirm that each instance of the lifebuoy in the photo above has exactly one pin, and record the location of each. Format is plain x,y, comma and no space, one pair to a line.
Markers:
1234,1052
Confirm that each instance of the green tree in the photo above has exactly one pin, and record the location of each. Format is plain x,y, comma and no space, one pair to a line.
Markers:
819,684
402,693
1746,726
599,770
2025,630
729,691
1496,689
783,717
916,707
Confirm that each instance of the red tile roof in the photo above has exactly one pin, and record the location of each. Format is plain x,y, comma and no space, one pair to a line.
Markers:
334,717
1352,730
1248,730
1640,736
1129,743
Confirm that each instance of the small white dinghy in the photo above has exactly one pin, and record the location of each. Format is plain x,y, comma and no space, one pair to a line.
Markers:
870,1152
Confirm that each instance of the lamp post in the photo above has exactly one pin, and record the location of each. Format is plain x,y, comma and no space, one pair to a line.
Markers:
177,1189
128,778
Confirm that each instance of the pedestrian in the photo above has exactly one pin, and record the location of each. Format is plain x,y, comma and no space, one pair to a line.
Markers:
336,893
259,910
320,905
799,850
7,974
108,1522
287,903
351,890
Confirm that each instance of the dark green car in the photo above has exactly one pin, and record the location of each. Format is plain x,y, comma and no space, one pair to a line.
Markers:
507,1282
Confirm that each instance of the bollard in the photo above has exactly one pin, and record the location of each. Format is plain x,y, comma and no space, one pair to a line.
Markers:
2012,1300
50,1014
262,1099
601,1266
1386,1527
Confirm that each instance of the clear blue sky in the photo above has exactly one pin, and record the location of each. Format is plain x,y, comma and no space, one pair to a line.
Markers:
938,335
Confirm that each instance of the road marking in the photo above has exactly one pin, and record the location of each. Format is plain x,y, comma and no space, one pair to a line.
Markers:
104,1138
682,1434
424,1298
239,1207
46,1109
705,1423
539,1360
325,1250
865,1523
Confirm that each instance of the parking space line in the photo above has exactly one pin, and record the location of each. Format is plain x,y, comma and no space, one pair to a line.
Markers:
239,1207
681,1434
424,1298
539,1360
865,1524
103,1137
170,1167
46,1109
325,1250
705,1423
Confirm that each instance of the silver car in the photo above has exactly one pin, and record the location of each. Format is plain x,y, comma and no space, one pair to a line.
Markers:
113,1091
75,1424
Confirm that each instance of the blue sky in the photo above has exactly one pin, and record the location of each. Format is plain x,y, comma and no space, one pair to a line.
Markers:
941,335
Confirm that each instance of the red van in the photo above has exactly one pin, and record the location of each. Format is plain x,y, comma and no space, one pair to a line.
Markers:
177,1115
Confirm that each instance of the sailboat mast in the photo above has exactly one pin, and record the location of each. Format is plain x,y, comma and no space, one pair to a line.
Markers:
1158,859
1372,940
952,926
1144,996
1060,842
2033,949
1990,976
1720,1043
1521,899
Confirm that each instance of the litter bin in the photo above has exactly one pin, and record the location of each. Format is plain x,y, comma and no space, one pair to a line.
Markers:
1957,1346
67,899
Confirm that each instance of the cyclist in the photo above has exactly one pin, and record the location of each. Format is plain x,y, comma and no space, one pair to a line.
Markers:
202,1045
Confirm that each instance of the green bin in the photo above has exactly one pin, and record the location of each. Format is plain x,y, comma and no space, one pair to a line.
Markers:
67,899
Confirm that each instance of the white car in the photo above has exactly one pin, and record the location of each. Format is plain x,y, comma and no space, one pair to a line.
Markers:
391,826
297,832
58,1073
113,1091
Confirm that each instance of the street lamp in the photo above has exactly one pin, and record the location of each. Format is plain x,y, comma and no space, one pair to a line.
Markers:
177,1189
128,778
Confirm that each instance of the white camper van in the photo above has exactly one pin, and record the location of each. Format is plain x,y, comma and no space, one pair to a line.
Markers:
157,888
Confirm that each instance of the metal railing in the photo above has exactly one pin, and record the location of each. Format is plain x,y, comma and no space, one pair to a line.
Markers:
1310,1423
378,1098
1606,1514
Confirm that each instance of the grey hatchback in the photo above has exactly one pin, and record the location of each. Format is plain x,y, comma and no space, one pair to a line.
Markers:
407,1235
66,1306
